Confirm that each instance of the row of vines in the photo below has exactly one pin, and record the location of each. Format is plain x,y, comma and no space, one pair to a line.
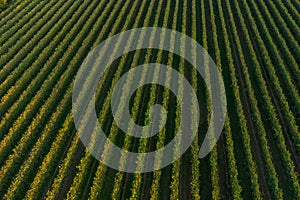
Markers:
254,44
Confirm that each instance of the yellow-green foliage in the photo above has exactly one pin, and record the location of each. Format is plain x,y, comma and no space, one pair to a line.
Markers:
2,3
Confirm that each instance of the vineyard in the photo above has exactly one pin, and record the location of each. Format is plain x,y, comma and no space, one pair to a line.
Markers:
255,45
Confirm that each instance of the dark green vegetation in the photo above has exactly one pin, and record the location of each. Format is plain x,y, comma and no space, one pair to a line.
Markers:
255,45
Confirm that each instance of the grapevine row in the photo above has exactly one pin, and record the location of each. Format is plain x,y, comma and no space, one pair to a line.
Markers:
195,180
23,16
270,110
155,186
28,138
22,47
30,110
40,17
290,88
175,184
287,114
16,96
81,176
137,102
143,142
259,124
15,12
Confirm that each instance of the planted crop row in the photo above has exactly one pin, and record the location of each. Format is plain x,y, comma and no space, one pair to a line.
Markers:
236,189
21,49
273,180
21,182
286,24
19,95
32,132
293,11
252,167
137,102
24,119
82,176
214,154
26,15
145,142
12,38
10,13
288,18
270,110
285,77
289,118
155,186
177,164
38,182
195,186
255,47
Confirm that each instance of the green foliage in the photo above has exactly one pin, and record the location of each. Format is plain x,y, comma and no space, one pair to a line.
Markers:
43,44
2,3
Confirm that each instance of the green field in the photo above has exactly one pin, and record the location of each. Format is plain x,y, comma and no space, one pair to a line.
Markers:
256,47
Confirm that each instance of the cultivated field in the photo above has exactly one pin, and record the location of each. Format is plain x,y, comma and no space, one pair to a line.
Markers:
256,47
